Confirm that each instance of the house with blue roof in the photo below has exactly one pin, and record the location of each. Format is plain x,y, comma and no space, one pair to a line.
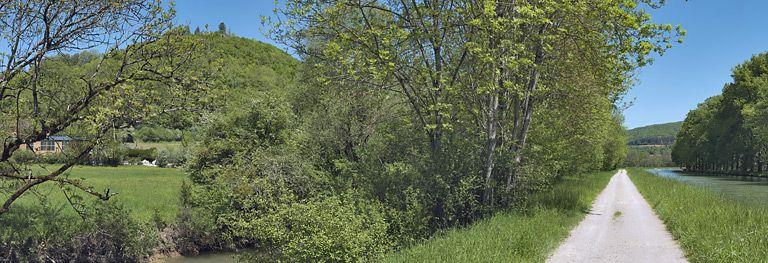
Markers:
52,144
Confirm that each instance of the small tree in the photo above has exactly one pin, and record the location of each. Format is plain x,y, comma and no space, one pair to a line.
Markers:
222,28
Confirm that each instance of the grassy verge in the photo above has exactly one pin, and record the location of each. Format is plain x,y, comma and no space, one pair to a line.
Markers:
142,190
516,236
709,227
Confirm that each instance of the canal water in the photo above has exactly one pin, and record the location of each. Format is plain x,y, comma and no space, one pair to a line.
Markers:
748,188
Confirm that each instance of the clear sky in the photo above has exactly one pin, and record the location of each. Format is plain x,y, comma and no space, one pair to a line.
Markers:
242,17
721,34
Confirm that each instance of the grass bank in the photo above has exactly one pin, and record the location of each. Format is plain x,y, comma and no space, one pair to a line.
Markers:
709,226
142,190
528,236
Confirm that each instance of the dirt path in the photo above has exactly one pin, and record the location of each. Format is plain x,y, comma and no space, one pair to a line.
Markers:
621,227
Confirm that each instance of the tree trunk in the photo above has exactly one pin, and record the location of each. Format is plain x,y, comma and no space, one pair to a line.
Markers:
491,130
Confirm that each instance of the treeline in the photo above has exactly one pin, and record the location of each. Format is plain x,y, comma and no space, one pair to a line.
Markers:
729,132
649,156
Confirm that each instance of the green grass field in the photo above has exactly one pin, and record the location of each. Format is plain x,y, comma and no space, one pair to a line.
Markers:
709,226
516,236
141,189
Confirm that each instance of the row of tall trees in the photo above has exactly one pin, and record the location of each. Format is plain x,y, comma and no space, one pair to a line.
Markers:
412,116
482,71
729,132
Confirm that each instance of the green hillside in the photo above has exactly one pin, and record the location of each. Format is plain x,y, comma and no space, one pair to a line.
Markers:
657,134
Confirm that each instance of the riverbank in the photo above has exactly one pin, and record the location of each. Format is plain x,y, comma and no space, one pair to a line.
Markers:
708,226
523,236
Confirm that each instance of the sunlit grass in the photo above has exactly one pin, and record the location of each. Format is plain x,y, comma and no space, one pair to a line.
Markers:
709,226
143,190
516,236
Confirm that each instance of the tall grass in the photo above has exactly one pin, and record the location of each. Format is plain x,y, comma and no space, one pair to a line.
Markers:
527,236
709,226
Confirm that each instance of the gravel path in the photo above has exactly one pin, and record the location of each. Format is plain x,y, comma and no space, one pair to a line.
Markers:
621,227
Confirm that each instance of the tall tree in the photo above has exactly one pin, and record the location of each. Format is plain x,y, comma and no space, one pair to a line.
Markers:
480,62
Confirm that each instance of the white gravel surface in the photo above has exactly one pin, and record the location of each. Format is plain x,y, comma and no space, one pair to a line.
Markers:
621,227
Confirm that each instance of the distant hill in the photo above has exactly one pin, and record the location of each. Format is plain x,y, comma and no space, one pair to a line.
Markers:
657,134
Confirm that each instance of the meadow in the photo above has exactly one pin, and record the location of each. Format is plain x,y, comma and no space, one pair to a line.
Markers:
142,190
529,235
709,226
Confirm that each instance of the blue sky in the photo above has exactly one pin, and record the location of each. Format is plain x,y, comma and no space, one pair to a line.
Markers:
721,34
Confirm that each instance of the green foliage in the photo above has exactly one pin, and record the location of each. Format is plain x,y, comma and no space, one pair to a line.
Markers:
657,134
649,156
106,232
24,156
333,229
142,154
157,134
709,227
726,133
171,157
111,153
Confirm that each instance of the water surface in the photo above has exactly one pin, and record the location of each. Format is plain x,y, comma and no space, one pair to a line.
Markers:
754,189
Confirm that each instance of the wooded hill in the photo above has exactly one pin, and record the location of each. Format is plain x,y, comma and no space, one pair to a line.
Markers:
657,134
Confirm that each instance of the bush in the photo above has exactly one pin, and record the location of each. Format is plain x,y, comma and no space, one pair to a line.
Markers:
106,233
334,229
111,154
157,134
143,154
54,158
171,157
24,156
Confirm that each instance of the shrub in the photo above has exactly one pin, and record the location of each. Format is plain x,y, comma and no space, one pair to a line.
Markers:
143,154
171,157
105,233
111,154
334,229
157,134
24,156
54,158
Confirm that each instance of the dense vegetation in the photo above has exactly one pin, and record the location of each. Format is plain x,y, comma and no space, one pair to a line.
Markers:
148,198
409,118
729,132
399,121
657,134
528,235
708,226
649,156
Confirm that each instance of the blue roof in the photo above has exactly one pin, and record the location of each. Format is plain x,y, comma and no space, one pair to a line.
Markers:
59,138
